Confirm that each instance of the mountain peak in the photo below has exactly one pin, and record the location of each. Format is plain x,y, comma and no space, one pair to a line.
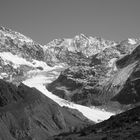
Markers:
132,41
14,35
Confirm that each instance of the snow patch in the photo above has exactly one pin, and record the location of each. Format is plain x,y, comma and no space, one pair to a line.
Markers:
17,61
39,79
132,41
4,75
111,62
7,56
15,35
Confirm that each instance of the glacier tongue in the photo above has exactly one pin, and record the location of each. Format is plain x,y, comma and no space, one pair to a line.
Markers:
39,79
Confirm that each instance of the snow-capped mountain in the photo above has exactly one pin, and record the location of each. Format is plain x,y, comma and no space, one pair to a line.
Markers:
25,113
88,79
65,50
83,76
23,61
18,54
20,45
124,126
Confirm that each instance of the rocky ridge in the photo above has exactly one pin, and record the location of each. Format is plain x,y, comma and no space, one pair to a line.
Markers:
94,78
96,72
18,55
124,126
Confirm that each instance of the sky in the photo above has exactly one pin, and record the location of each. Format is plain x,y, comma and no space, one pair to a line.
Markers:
45,20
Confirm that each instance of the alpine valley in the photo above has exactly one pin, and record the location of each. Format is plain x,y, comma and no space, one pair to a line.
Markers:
83,88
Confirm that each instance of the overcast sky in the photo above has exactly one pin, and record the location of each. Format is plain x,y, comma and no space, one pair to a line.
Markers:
45,20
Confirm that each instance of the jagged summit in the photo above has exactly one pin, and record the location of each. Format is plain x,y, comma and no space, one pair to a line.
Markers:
83,43
22,61
14,34
19,44
95,69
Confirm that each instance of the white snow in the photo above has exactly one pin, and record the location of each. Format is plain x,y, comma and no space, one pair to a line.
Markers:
40,79
132,41
111,62
7,56
17,61
4,75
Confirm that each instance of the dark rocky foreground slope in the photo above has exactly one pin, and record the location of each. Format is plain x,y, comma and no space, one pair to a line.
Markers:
124,126
26,114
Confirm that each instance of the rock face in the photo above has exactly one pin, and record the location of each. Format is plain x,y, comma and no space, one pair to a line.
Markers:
101,77
120,127
18,44
71,51
18,55
26,114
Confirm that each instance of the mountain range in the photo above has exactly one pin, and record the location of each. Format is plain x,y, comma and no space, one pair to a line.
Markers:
61,89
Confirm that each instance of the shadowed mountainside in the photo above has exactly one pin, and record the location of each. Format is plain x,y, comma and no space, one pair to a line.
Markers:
124,126
26,114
